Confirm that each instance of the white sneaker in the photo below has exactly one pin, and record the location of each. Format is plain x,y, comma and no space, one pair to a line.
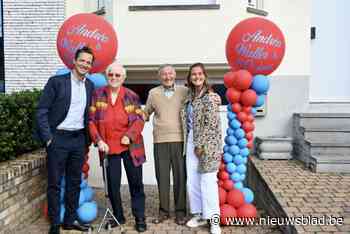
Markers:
196,221
215,229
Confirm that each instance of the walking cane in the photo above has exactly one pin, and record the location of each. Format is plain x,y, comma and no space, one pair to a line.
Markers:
108,210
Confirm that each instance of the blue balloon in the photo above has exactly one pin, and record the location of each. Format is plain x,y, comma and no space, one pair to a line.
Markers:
234,124
253,111
234,149
230,167
62,211
88,194
248,195
87,212
245,160
226,148
241,169
81,197
238,185
98,79
62,195
231,115
260,101
236,177
242,177
244,152
230,132
260,84
238,159
242,143
227,158
239,133
230,140
83,183
62,71
229,108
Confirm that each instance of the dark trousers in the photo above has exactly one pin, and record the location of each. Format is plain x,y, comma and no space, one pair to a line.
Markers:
169,155
134,175
65,156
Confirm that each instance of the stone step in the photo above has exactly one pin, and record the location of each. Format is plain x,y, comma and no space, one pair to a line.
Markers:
329,149
328,137
331,123
330,163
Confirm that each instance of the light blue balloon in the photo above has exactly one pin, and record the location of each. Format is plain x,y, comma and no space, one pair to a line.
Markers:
226,148
87,212
245,160
230,140
234,149
241,169
242,177
248,195
83,183
253,111
260,84
227,157
239,133
62,71
238,185
230,167
230,132
244,152
260,101
88,193
236,177
242,143
62,211
234,124
229,108
238,159
81,197
98,79
231,115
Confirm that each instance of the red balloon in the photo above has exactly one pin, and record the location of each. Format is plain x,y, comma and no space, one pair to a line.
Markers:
236,107
85,168
248,97
228,79
248,126
247,211
255,44
224,175
235,198
220,183
243,80
222,195
250,144
90,30
249,135
242,116
228,185
250,118
233,95
222,166
227,211
247,110
45,210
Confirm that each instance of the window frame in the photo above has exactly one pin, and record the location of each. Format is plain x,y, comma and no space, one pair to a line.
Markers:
142,5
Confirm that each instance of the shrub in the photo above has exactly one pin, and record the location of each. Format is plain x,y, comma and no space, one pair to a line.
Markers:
17,112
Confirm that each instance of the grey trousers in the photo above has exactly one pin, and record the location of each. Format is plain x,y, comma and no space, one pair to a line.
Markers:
169,155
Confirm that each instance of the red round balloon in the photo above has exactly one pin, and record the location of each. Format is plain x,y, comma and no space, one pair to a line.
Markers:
227,211
248,126
250,118
228,79
247,211
90,30
222,195
247,109
242,116
235,198
224,175
228,185
250,144
236,107
222,166
85,168
233,95
255,44
220,183
249,135
248,97
243,80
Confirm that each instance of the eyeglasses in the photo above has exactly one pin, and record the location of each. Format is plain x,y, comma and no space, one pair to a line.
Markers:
114,74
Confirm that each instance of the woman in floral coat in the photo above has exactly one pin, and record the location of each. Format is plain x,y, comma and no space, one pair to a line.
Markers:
202,134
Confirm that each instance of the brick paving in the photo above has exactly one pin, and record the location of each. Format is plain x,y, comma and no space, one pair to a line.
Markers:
301,192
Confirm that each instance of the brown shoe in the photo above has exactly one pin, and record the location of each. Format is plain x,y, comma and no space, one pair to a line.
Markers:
180,220
160,219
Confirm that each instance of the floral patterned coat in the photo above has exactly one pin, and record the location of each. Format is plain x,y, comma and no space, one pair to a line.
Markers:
206,130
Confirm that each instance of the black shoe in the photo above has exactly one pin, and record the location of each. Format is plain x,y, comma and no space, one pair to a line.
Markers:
112,223
54,229
140,225
76,226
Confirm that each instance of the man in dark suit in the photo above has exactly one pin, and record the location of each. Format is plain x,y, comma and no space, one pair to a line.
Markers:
62,120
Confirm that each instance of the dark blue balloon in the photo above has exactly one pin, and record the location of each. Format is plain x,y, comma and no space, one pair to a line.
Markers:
227,157
230,132
230,140
231,115
226,148
260,84
234,124
62,71
239,133
260,101
98,79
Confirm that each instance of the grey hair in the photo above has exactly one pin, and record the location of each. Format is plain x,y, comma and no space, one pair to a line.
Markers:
161,67
110,66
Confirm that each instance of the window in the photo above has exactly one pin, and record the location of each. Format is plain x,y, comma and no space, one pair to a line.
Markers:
256,7
171,2
144,5
2,60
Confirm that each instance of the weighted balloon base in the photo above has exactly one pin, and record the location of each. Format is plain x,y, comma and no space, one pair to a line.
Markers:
106,219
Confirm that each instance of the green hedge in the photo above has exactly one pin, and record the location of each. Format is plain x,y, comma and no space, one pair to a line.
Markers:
17,112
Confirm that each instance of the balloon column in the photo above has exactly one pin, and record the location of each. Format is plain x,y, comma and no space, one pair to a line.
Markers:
254,48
